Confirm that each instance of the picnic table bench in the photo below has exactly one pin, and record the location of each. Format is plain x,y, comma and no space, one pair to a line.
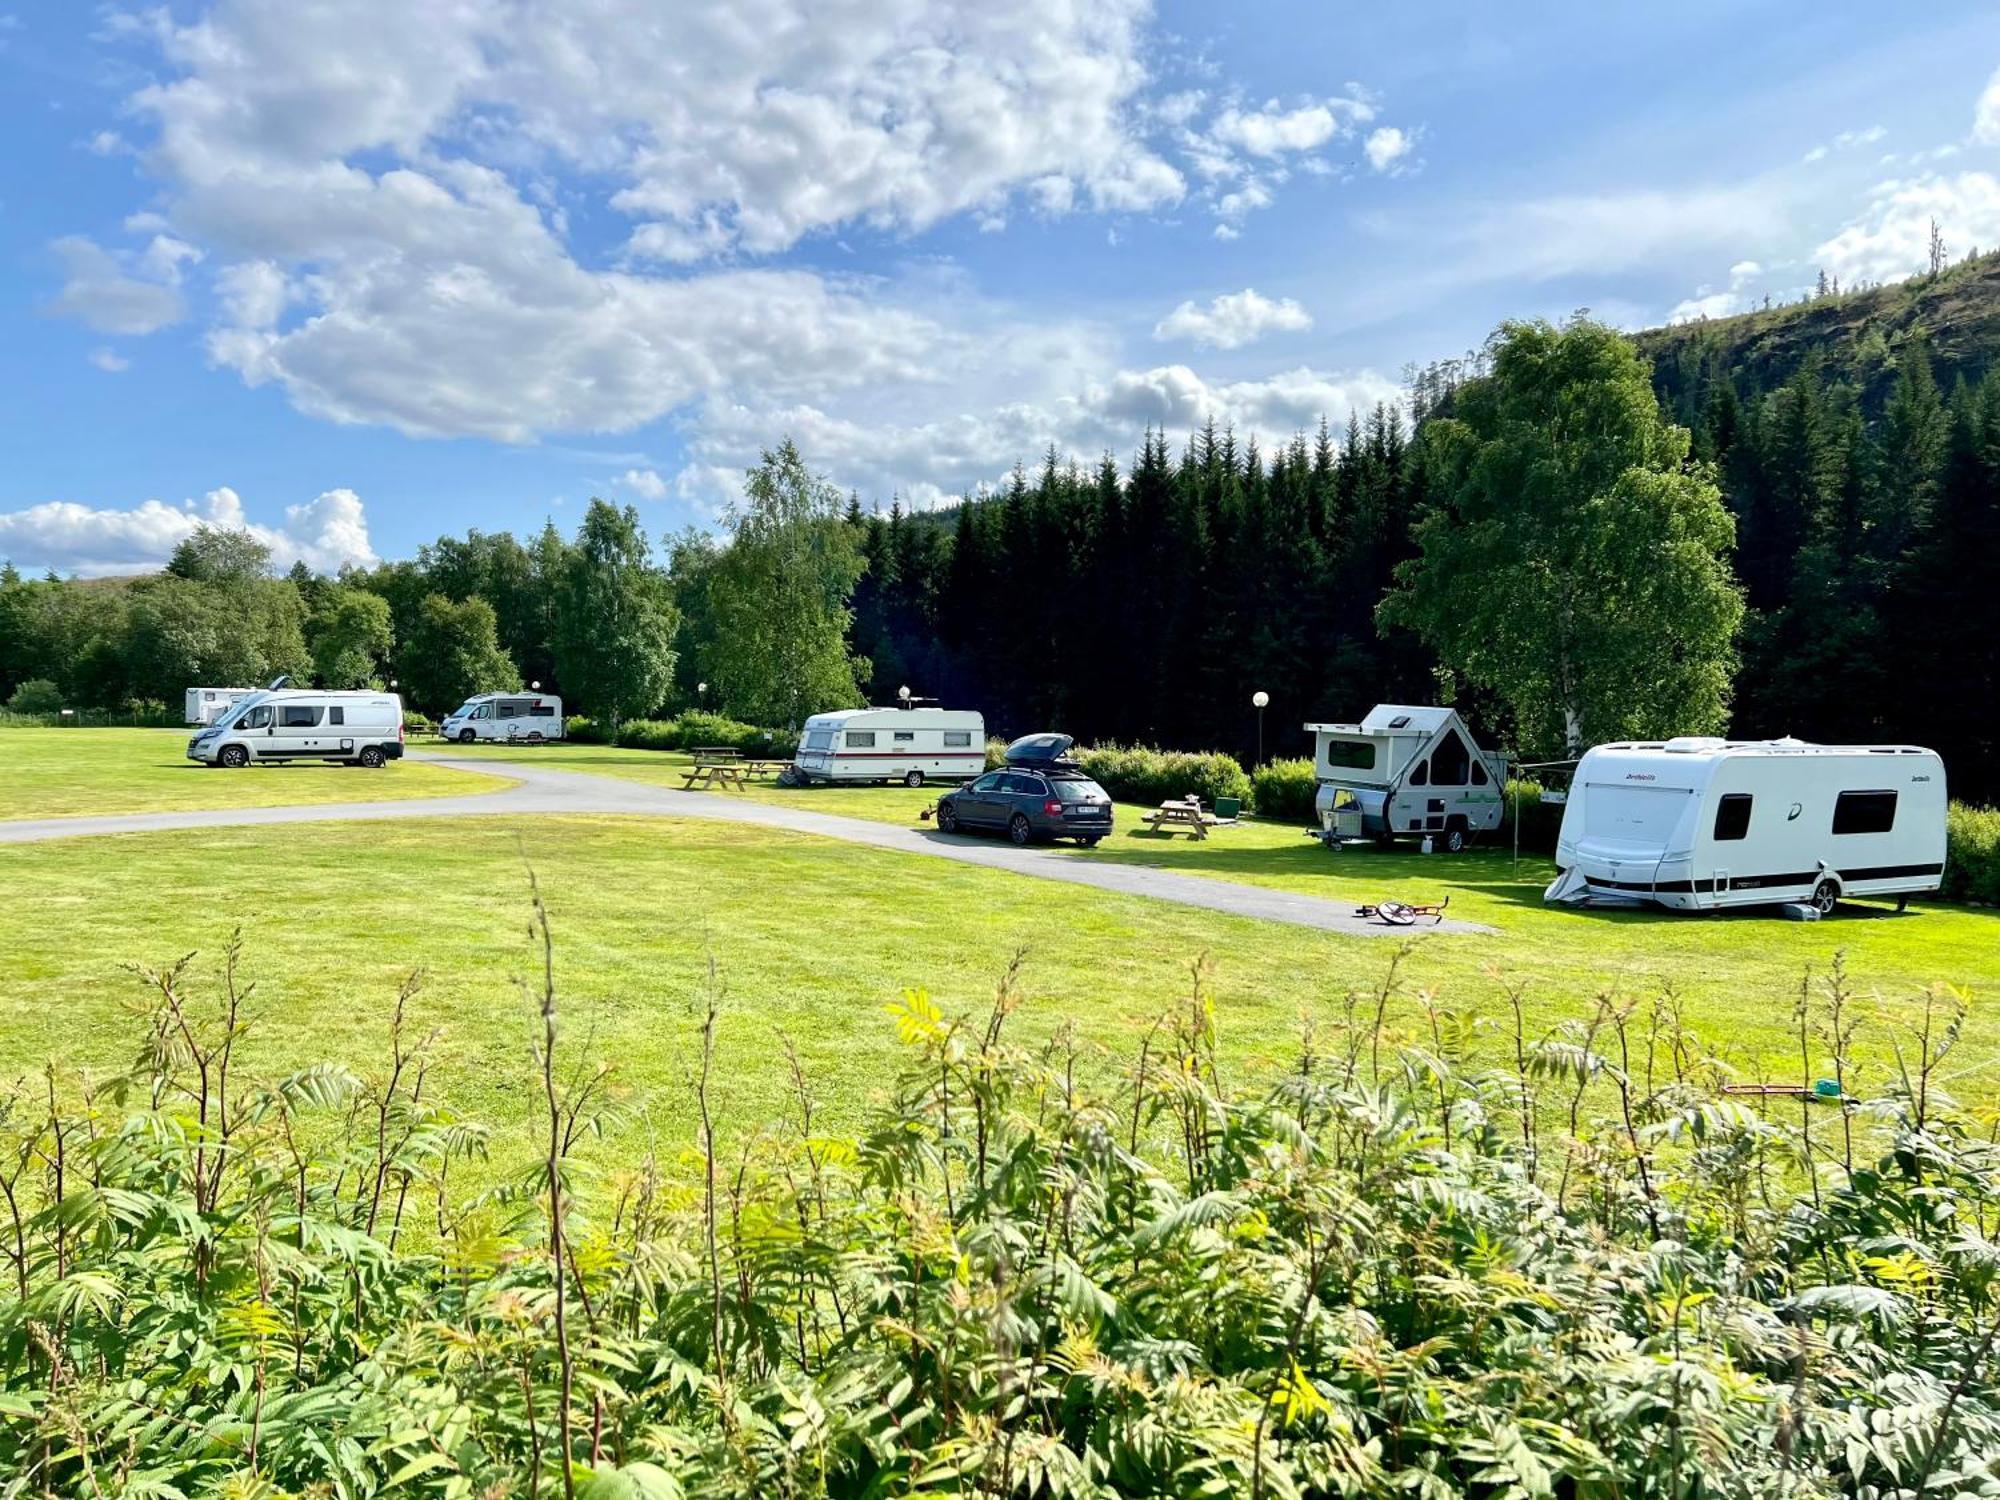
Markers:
713,775
1185,812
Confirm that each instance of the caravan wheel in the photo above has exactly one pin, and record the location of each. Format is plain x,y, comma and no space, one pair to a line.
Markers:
372,757
1826,896
915,778
1454,841
234,756
466,736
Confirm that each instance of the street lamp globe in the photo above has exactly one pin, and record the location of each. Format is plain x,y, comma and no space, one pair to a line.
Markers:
903,693
1260,699
534,687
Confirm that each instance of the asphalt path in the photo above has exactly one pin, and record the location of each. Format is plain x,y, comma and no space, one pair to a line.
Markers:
538,791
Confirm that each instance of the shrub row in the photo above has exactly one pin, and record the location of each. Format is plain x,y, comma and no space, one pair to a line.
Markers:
1972,854
685,733
1284,790
1139,773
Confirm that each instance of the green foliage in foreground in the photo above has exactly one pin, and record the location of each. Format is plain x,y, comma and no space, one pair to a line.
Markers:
1972,859
1381,1276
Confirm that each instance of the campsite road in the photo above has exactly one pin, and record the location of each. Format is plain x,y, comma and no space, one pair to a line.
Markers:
537,791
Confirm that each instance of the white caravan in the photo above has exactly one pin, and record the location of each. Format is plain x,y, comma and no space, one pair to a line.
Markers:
286,724
533,717
1405,771
1697,823
206,705
910,745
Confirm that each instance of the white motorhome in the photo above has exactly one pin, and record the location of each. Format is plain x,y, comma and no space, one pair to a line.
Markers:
1697,823
533,717
282,724
910,745
206,705
1406,772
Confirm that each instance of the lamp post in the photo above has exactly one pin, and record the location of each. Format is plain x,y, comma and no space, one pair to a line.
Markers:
701,695
1259,700
534,687
903,695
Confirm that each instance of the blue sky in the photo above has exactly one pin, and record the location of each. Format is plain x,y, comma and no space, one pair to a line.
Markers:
360,274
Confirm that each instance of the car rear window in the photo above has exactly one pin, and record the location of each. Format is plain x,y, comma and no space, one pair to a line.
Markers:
1077,791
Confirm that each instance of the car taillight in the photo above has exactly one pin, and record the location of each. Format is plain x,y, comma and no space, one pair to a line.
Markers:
399,732
1052,807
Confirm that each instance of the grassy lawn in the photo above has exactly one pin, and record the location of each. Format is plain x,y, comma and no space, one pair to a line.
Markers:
816,938
54,773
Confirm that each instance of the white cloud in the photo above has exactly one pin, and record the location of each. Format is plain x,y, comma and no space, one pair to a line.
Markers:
100,289
1233,320
1274,131
110,361
1890,239
1386,147
645,483
1710,303
1846,141
253,292
324,532
1986,113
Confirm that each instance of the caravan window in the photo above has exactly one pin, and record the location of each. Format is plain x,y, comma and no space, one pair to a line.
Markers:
1450,761
1732,817
957,739
541,710
1479,777
905,737
336,715
507,708
255,718
819,739
1421,775
299,715
861,739
1351,755
1864,812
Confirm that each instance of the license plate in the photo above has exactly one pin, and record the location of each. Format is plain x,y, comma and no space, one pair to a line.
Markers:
1083,812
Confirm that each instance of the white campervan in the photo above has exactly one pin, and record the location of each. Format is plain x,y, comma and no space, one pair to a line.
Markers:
206,705
910,745
282,724
1405,771
533,717
1697,823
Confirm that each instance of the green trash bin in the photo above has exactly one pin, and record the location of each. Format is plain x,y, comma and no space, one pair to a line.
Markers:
1226,808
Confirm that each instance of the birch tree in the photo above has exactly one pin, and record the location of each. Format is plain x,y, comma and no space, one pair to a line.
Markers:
1571,559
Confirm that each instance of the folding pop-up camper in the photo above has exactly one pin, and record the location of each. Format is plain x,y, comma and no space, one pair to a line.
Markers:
1696,824
1405,772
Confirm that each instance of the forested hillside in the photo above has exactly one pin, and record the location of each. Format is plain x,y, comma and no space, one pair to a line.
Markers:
1854,440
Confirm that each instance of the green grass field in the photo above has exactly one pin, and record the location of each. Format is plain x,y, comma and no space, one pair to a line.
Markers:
811,937
55,773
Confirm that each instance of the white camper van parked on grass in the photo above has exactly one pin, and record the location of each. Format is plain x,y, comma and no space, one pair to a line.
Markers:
1696,824
206,705
910,745
533,717
284,724
1405,772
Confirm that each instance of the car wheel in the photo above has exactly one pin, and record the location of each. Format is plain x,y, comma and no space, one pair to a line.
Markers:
947,818
372,757
1454,841
1826,896
1019,829
234,756
915,778
466,736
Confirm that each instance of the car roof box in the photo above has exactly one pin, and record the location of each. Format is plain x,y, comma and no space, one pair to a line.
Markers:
1040,750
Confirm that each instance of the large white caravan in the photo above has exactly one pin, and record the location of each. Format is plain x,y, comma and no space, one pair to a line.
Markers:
289,724
206,705
1695,823
1405,771
910,745
533,717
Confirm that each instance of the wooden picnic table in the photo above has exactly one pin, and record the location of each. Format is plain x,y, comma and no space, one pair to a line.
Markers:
713,775
1181,813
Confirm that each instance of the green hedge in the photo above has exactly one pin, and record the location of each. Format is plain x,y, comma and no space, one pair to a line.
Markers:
1972,854
685,733
1285,790
1139,773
